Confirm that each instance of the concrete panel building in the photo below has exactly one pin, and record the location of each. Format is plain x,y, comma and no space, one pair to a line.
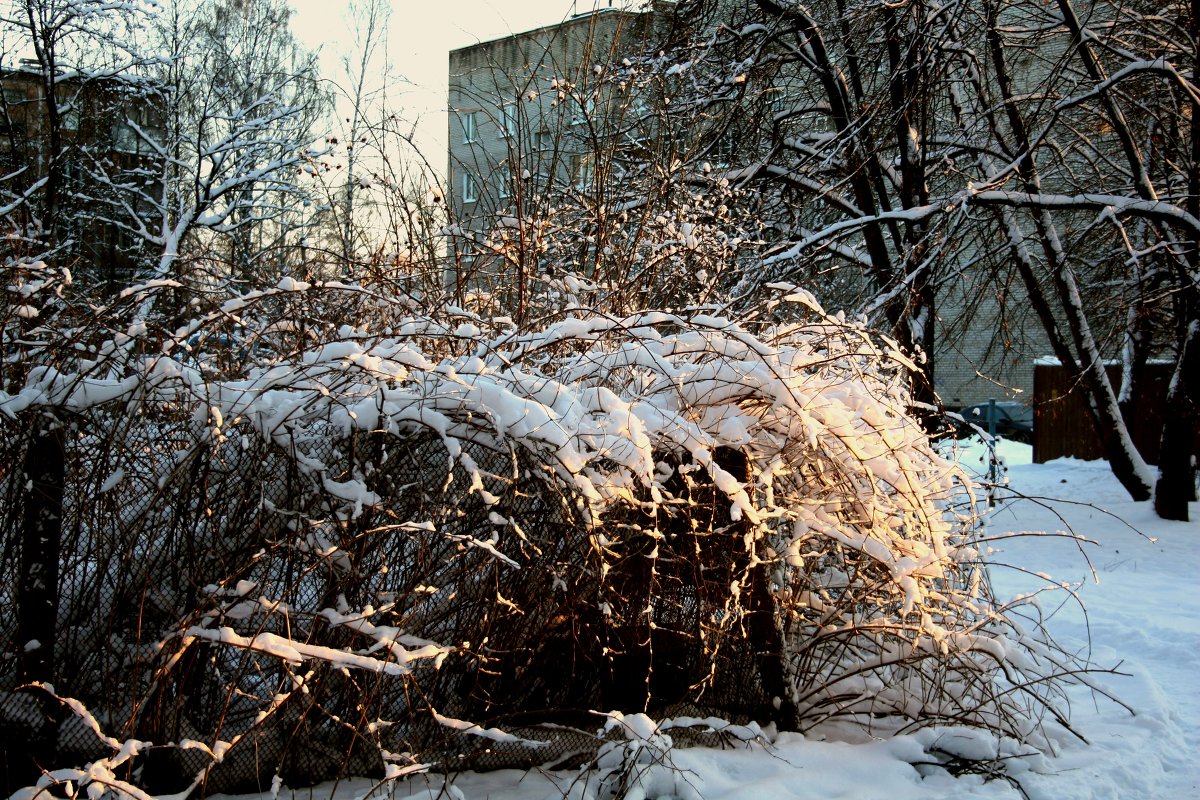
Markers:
520,104
533,114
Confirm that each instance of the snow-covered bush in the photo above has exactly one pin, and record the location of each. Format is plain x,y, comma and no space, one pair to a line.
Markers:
433,538
652,241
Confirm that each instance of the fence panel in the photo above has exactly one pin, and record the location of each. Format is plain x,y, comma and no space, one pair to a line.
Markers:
1061,424
171,536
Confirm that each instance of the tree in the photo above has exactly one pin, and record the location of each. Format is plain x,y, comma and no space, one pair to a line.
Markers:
79,64
72,58
69,73
986,138
1123,161
567,190
833,142
364,98
240,101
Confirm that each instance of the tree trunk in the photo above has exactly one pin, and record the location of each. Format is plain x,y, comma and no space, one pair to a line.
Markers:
1126,463
41,534
37,599
1177,474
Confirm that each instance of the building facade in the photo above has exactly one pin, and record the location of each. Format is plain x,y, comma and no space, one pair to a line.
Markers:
520,106
533,115
70,170
528,115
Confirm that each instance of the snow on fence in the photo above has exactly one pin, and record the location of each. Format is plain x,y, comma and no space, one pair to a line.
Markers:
451,544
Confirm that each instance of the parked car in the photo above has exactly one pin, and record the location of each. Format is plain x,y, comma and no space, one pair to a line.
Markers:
1013,420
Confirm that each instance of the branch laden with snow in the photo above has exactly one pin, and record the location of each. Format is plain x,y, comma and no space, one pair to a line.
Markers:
439,534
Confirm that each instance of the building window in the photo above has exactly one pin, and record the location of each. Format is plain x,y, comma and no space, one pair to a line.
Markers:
504,182
583,172
136,130
470,188
508,119
69,119
584,111
466,252
125,138
72,170
12,130
470,131
777,100
724,150
68,110
544,140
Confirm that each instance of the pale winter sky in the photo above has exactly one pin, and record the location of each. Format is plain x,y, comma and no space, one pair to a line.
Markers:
421,34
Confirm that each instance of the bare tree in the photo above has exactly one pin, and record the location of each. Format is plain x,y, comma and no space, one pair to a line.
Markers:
915,143
363,98
69,75
239,102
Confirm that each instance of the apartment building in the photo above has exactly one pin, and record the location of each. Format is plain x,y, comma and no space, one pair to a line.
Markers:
100,140
533,114
527,112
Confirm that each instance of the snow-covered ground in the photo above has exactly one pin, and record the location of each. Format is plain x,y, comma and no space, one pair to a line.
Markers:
1143,618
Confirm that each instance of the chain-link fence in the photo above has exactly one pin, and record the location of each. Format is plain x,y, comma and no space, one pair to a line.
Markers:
428,592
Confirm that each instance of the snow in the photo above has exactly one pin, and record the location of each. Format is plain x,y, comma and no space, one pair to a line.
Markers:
1143,620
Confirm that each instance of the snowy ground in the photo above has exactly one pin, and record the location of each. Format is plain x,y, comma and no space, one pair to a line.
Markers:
1143,616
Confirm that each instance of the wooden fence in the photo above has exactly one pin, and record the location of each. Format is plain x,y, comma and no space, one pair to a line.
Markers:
1062,426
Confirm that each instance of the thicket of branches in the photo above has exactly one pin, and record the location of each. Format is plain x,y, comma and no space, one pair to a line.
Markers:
342,509
1026,168
409,533
1038,158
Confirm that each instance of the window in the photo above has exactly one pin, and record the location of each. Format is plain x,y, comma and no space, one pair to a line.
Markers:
467,252
470,131
777,100
583,171
13,130
69,118
136,130
544,140
508,119
584,111
470,188
72,169
503,181
639,108
125,138
68,109
724,150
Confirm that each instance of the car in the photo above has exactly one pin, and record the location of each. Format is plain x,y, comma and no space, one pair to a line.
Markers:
1013,420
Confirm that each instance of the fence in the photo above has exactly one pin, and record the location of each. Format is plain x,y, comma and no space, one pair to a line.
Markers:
386,554
162,524
1061,424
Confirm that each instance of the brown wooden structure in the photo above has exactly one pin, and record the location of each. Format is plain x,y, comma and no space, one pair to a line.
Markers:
1062,426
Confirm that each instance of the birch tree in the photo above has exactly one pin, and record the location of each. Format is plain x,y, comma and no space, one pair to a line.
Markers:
240,101
910,143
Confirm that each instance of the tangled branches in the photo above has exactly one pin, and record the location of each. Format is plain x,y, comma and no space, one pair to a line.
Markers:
322,549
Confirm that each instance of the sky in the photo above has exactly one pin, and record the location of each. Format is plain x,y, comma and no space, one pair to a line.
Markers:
419,39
